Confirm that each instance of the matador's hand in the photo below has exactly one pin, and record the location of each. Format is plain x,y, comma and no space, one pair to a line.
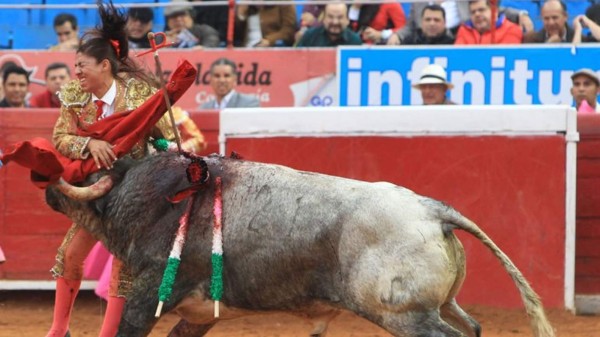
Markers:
102,153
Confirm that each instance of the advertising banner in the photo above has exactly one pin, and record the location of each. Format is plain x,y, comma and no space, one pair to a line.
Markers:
520,74
282,77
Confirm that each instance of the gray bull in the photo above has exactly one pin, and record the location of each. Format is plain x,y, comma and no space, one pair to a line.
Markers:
300,242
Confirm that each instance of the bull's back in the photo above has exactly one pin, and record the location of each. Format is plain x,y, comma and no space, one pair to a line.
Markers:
300,206
304,235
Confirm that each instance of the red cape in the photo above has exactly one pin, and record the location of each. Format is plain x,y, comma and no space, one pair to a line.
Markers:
123,130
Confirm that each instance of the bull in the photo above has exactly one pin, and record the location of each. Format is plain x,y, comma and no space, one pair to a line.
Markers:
300,242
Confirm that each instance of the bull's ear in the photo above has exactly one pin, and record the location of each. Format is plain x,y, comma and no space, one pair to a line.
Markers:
121,167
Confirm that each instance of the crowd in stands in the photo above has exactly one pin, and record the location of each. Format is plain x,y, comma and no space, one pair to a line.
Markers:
427,23
191,25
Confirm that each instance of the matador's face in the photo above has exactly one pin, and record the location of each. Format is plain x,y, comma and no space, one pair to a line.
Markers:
95,77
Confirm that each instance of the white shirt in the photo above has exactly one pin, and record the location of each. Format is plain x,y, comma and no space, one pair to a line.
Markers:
254,31
109,100
452,16
353,13
224,101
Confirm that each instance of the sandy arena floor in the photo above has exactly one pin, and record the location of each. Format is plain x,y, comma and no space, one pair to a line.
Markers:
29,314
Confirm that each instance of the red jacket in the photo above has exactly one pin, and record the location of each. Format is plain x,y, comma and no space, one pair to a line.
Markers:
44,100
390,12
506,33
389,15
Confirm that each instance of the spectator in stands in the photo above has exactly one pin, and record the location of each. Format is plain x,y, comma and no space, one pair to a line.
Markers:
139,24
223,77
457,13
556,29
375,23
433,85
182,29
264,26
585,90
590,20
4,66
57,74
15,82
433,29
311,17
333,32
593,12
478,29
215,16
67,31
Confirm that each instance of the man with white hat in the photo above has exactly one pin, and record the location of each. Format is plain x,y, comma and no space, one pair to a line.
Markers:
585,90
433,85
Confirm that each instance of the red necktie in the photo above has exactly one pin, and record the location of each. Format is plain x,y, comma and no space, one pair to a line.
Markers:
99,111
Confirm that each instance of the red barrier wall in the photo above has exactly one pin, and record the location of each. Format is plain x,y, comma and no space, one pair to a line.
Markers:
29,231
587,251
493,185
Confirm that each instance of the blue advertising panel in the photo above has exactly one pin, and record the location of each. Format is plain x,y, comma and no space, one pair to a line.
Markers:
524,74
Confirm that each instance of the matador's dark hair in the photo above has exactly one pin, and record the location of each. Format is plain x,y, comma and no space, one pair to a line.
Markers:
109,41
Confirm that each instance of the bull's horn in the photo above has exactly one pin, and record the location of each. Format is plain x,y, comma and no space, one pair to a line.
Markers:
95,191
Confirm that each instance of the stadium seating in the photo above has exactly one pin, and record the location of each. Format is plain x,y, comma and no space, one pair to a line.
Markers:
531,6
21,36
23,24
6,37
299,8
576,7
406,8
47,15
159,16
20,16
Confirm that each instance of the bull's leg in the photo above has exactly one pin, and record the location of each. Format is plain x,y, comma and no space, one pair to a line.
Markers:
138,315
319,317
138,319
186,329
320,325
458,318
416,324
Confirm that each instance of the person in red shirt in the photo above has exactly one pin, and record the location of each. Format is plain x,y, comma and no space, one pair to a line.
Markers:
56,75
375,23
478,29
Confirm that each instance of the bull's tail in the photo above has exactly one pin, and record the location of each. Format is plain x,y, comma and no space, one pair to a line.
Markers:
539,323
